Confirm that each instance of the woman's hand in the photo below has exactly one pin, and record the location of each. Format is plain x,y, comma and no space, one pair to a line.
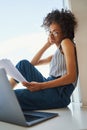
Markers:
50,41
32,86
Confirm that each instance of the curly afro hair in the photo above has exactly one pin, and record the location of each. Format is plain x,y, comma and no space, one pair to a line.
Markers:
66,20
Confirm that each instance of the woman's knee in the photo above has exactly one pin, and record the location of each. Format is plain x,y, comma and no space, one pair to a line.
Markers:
23,62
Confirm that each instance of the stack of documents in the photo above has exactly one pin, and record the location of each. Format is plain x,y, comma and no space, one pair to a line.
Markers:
11,70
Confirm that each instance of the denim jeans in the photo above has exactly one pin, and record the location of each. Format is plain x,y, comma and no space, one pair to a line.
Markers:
57,97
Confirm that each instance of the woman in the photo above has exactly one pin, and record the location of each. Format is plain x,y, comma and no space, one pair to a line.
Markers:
54,91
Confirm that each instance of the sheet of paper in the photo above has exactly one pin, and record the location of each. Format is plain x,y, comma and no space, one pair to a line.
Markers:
11,70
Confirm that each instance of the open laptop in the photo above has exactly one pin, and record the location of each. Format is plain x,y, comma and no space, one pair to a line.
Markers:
10,110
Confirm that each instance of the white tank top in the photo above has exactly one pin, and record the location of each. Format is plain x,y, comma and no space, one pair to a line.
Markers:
57,64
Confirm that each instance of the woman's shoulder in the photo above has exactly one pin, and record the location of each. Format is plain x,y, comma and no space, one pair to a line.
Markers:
67,45
67,42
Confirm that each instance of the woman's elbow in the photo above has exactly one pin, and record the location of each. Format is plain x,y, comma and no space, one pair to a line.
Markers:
72,77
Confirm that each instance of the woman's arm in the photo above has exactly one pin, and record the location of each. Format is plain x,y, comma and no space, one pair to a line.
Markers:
68,49
37,58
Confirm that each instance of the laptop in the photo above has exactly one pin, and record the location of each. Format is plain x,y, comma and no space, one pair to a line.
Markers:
10,110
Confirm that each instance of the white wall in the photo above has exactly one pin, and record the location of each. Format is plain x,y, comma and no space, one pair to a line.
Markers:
79,8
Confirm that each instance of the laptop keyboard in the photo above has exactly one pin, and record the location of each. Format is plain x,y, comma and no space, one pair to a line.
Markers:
31,117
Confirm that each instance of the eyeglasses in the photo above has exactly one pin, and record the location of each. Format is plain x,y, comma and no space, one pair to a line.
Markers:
54,33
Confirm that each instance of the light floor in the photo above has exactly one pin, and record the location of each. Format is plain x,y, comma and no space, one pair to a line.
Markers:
72,118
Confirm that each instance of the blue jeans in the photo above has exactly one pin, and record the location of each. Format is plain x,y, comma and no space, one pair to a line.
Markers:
57,97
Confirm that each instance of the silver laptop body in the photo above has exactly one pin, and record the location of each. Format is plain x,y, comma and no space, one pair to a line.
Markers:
10,110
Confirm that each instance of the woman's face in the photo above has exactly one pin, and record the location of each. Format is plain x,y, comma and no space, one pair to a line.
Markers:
55,34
